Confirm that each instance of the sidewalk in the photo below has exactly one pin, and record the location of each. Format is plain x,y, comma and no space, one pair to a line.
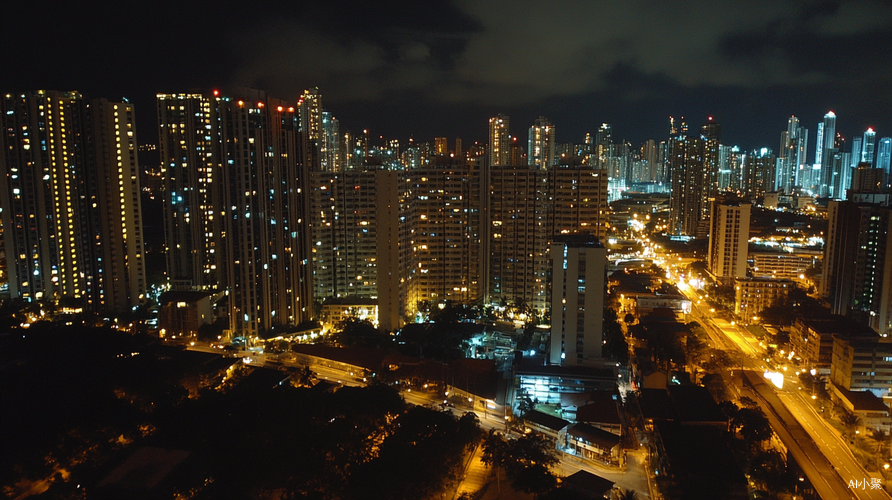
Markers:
475,475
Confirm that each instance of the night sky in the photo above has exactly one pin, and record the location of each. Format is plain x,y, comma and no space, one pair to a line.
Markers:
440,68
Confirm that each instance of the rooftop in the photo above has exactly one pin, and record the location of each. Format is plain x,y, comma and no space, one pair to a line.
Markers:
836,323
182,296
602,409
578,240
545,420
587,483
864,400
594,435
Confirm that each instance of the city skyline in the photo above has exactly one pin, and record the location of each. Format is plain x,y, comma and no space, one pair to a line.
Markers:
389,69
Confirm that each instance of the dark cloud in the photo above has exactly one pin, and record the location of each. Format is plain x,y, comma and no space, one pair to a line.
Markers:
441,67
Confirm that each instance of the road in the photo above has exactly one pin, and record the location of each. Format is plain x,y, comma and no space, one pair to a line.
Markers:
820,451
830,442
827,483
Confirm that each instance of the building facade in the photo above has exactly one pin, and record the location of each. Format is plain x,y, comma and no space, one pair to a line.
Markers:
236,211
862,364
689,199
541,144
752,295
729,230
857,277
69,192
578,286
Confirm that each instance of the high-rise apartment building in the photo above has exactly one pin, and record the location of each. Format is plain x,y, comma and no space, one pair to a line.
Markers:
758,173
189,145
526,208
69,193
309,108
541,144
688,202
237,209
857,277
498,140
578,276
868,146
114,214
826,142
330,144
441,206
729,226
518,235
793,148
355,239
577,201
710,134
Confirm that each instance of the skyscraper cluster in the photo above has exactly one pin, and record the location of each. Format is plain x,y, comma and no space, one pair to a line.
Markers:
278,206
438,226
69,201
235,203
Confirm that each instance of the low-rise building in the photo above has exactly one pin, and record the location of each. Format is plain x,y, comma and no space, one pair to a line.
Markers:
812,339
587,485
547,382
183,312
785,264
602,413
873,413
589,442
678,304
544,423
862,364
753,295
336,310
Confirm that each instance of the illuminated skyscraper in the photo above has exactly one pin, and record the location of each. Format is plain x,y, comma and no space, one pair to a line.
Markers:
189,148
540,151
69,194
868,146
858,263
603,142
826,142
710,134
243,207
758,173
355,239
578,274
498,140
441,146
793,148
884,155
330,144
856,152
310,111
651,157
729,230
688,201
